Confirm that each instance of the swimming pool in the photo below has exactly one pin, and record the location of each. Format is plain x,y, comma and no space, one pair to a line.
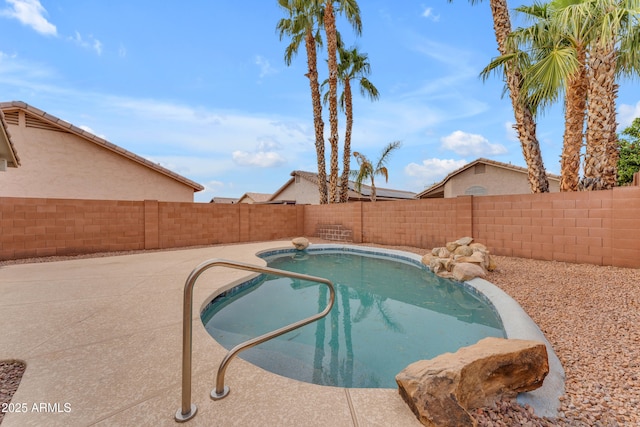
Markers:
389,312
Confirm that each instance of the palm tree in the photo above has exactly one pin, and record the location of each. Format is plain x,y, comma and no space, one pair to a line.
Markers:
614,42
351,11
525,123
303,23
353,66
552,58
368,171
565,50
575,103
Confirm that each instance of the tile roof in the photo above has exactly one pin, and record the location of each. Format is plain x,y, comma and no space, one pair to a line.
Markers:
68,127
256,197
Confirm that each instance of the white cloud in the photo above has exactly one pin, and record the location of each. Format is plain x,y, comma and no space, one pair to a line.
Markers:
432,170
267,144
30,13
466,144
627,113
261,159
92,43
265,66
428,13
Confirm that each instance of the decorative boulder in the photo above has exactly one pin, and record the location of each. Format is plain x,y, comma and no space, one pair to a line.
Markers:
300,243
452,246
474,258
443,260
465,241
444,253
426,259
492,264
480,246
463,250
437,264
441,391
464,271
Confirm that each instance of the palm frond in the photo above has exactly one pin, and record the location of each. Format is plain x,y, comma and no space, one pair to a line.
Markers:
386,152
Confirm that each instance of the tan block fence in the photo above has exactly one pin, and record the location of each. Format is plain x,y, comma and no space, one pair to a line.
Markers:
598,227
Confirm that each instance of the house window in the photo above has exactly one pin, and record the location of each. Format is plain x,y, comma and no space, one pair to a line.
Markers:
476,190
479,168
297,179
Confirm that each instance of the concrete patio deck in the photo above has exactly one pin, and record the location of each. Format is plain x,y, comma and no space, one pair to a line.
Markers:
102,339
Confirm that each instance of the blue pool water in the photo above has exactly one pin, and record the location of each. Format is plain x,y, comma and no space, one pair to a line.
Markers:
388,313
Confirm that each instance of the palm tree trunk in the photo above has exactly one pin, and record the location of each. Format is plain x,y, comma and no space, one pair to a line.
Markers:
575,106
346,156
525,123
318,123
600,164
373,188
332,46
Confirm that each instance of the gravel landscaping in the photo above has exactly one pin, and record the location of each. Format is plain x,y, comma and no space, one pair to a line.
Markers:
10,375
591,316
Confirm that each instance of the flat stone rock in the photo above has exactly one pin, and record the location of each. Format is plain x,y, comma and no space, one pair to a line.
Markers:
443,390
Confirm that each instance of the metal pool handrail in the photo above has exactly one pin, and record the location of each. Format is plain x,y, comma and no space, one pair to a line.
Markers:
188,410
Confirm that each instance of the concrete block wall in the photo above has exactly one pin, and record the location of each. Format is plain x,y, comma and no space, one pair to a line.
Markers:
32,227
419,223
270,222
572,227
598,227
625,227
594,227
46,227
347,215
195,224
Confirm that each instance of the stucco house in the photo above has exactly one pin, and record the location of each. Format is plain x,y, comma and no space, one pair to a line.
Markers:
484,177
251,198
8,154
302,188
59,160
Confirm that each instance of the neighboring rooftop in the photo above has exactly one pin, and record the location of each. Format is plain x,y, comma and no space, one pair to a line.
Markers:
11,107
225,200
363,195
254,198
438,189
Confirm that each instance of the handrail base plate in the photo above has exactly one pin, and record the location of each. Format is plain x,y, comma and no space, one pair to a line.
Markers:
217,396
181,418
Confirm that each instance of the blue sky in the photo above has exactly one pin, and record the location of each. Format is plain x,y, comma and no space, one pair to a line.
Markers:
201,87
